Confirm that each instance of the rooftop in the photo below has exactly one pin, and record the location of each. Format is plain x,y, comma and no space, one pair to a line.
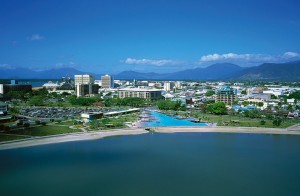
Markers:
140,89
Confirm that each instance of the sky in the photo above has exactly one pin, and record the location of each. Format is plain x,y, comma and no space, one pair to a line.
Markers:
110,36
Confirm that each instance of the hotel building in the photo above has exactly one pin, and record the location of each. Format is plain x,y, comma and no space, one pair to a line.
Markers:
226,95
107,81
151,94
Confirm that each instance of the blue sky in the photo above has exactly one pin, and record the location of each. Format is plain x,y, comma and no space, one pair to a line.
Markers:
109,36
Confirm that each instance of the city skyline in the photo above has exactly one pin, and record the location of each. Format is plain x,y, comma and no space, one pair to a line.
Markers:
161,36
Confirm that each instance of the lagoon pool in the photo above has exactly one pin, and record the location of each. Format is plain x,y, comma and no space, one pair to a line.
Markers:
164,120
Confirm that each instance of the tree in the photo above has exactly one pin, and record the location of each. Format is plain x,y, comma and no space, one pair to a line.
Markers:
218,108
14,111
290,108
94,124
244,92
203,107
37,122
209,93
168,105
7,128
260,104
245,103
295,95
183,108
36,100
262,122
277,122
43,123
26,125
273,97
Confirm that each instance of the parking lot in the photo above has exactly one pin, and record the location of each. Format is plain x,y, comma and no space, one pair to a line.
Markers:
56,112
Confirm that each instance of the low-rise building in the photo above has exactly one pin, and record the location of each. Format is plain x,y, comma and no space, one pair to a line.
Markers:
152,94
3,107
91,116
6,88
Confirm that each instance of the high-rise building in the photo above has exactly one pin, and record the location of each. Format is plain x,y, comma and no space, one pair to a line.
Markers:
84,79
107,81
226,95
84,85
168,86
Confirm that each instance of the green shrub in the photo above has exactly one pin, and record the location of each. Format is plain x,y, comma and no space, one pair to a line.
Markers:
43,123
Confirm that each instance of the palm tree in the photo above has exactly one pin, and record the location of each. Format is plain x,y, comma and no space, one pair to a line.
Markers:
14,111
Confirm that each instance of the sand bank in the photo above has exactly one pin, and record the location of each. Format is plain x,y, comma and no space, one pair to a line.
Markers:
257,130
134,131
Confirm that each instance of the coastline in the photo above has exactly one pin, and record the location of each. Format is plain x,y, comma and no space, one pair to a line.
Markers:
135,131
68,138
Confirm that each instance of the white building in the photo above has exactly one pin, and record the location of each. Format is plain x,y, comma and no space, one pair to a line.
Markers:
146,93
84,79
178,85
50,85
274,92
99,82
168,86
83,84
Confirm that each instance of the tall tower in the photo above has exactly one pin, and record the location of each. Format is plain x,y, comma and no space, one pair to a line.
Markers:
81,82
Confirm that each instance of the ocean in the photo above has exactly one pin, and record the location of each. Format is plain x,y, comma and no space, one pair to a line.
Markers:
158,165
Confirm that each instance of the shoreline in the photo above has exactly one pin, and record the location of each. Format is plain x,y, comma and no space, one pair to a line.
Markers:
136,131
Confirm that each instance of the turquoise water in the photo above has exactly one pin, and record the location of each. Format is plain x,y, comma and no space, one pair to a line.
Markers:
157,165
164,120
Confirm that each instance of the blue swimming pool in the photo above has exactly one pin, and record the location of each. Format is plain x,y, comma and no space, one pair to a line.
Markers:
164,120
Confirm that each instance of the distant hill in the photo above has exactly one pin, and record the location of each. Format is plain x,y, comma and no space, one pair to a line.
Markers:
221,71
270,71
25,73
213,72
130,75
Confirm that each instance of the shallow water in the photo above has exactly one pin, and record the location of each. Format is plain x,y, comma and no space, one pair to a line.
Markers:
157,164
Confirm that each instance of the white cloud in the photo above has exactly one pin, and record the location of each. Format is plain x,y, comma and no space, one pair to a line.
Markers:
65,65
160,62
290,55
249,59
6,66
36,37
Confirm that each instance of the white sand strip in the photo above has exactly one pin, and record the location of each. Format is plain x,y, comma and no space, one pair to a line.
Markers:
227,130
69,138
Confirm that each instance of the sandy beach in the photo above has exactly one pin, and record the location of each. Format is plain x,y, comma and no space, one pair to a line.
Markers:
254,130
295,130
69,137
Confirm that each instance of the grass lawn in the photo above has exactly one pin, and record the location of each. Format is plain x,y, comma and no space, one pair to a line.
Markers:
69,122
112,123
45,130
10,137
228,120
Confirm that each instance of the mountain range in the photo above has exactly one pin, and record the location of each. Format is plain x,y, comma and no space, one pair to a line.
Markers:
221,71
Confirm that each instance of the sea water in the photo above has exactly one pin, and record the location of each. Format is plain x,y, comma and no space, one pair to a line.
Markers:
158,165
